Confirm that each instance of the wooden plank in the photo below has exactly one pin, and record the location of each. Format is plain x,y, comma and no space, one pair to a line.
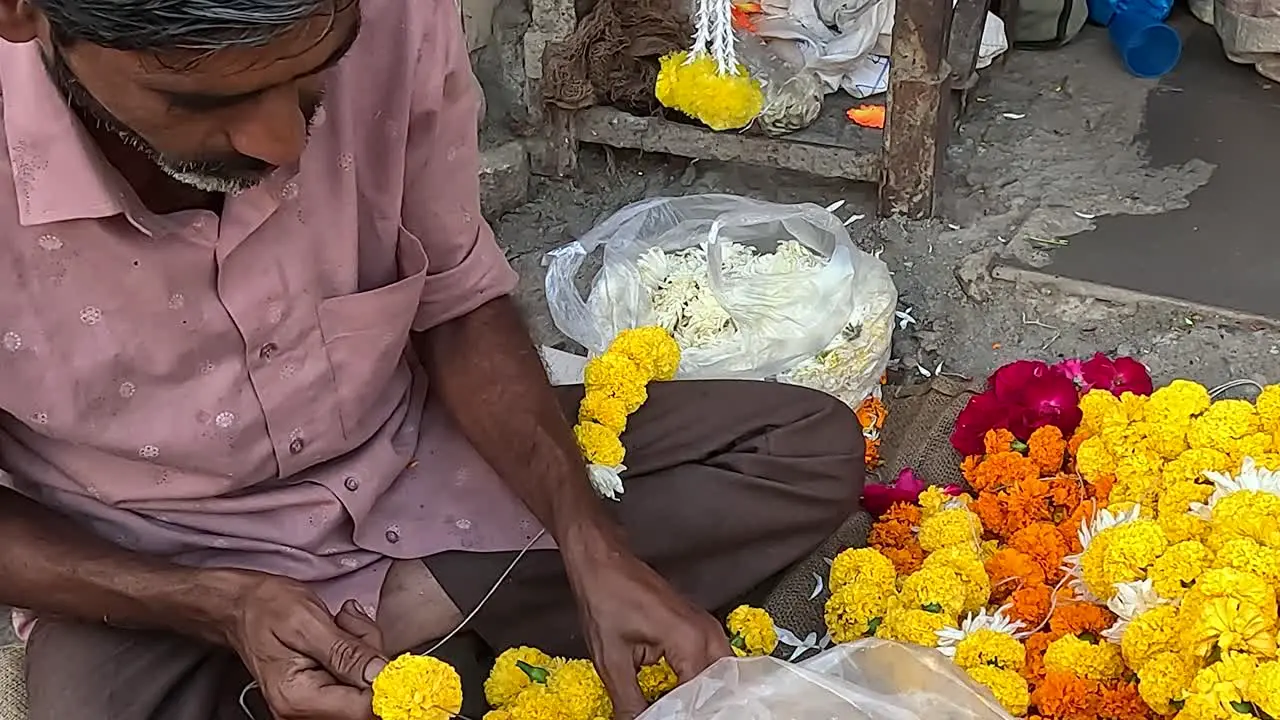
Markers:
828,148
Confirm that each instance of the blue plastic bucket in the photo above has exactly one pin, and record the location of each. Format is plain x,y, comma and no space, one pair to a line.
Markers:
1147,47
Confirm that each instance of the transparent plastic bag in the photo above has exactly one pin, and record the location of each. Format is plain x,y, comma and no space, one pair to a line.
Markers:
777,320
865,680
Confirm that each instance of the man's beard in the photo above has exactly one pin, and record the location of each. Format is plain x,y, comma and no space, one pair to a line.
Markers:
229,174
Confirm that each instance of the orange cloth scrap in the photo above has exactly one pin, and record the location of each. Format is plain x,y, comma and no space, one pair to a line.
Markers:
868,116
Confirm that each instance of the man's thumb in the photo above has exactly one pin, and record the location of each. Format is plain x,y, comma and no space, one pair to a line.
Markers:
351,660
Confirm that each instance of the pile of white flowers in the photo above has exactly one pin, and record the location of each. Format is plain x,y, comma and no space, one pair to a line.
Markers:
678,285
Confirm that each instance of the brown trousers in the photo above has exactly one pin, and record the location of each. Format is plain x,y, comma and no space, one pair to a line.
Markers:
728,484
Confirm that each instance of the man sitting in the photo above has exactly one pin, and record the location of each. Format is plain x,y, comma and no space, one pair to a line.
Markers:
270,413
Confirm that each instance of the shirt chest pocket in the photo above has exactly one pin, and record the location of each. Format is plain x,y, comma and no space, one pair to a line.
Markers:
365,337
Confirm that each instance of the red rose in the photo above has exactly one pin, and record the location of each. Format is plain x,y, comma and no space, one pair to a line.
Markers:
1117,376
982,413
1020,397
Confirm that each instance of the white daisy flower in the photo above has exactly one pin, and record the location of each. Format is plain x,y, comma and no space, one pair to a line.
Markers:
1251,478
1103,519
950,637
1131,600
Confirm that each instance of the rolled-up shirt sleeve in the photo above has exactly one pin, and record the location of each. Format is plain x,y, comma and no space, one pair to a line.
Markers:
441,207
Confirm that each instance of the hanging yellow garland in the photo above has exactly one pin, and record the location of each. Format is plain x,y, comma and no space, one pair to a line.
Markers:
708,83
616,386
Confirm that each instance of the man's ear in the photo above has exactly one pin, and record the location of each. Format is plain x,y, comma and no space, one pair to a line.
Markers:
19,21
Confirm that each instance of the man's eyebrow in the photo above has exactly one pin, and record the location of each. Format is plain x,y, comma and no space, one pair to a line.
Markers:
214,99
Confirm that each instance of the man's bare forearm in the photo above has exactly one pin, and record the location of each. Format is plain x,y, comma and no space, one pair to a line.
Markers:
50,565
488,374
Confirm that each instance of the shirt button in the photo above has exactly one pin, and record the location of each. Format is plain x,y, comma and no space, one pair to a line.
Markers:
296,446
351,484
266,351
393,536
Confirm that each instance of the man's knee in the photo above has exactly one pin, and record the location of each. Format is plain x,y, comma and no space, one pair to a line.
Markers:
76,670
826,439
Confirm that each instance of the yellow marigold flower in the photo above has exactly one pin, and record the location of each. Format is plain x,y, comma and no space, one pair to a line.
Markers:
616,375
865,566
1267,460
1191,464
1009,688
1253,446
1216,689
536,703
918,627
1248,556
1173,510
1150,634
1267,406
1124,440
1231,583
579,691
1101,410
651,348
657,680
751,631
1120,554
855,611
1226,625
603,409
599,444
1169,441
985,646
417,687
950,527
1177,402
1245,514
1173,573
506,680
1135,406
497,715
697,89
1096,661
931,501
1223,424
936,588
1093,461
1138,478
1164,679
971,570
1264,686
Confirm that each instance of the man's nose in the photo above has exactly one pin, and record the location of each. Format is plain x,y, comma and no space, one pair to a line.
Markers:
273,129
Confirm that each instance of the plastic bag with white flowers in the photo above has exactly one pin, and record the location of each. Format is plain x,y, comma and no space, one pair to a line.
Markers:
864,680
749,289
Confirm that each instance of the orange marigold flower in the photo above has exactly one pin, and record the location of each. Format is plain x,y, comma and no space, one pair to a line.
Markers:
1073,445
890,533
871,413
969,467
905,513
1121,701
1076,618
1065,492
1027,503
1070,528
1036,646
1047,449
998,441
1002,470
906,559
1100,488
990,509
1043,543
1065,696
871,453
1010,570
1030,605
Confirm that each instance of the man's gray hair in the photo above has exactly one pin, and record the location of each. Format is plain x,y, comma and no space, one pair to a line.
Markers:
179,24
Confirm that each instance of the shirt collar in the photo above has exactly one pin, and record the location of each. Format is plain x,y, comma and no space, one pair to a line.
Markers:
58,172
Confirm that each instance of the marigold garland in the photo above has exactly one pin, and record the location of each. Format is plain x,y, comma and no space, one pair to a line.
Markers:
616,385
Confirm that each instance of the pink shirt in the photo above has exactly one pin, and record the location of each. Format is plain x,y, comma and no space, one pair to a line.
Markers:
236,390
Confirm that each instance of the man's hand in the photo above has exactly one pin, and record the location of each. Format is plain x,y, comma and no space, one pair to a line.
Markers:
632,617
308,664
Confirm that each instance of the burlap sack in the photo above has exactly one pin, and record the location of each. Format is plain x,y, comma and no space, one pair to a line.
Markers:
916,434
13,687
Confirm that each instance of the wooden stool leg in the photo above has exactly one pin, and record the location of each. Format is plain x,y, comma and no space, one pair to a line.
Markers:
918,118
966,42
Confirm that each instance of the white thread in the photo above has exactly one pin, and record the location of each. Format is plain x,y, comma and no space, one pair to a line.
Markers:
244,694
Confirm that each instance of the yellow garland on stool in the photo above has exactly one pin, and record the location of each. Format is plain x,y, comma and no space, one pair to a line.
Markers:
708,83
616,386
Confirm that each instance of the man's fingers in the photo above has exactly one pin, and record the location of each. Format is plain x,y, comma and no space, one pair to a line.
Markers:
313,695
353,619
618,671
691,655
348,658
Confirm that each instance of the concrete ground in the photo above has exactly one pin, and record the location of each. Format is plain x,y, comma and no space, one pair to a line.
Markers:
1059,138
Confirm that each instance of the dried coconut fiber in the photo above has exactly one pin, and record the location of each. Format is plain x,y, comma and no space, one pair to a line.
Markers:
917,435
612,56
13,687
